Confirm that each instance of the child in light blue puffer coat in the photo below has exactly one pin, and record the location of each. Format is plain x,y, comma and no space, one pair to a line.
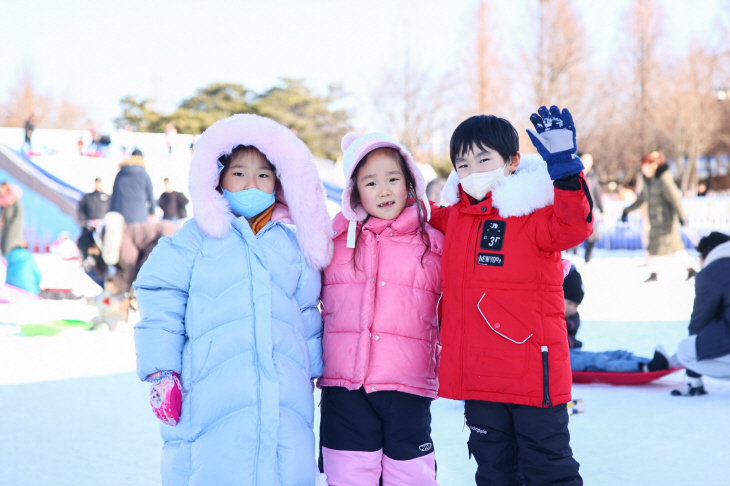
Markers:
230,333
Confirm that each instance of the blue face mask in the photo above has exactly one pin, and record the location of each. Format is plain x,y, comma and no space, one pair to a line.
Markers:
250,202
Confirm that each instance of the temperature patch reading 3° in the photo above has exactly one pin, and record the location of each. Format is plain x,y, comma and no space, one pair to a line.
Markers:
492,237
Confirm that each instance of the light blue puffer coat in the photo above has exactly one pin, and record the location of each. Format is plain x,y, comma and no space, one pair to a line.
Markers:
235,314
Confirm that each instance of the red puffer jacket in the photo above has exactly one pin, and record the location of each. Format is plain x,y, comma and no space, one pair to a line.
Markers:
503,328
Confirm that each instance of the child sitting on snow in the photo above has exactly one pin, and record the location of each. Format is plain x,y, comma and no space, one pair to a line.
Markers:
112,305
707,350
613,361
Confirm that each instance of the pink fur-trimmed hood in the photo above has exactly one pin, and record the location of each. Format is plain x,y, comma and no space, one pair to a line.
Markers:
301,192
355,146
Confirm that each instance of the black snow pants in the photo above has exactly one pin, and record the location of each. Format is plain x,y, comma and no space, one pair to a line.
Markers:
395,422
519,444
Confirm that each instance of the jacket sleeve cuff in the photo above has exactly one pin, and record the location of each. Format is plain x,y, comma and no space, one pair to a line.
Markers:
568,183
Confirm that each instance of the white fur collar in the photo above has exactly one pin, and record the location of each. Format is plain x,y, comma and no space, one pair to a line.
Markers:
524,191
720,251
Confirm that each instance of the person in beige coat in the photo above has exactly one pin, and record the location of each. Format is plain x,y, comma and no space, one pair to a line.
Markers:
666,215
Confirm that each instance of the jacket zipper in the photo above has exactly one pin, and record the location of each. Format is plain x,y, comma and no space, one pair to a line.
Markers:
376,264
463,311
477,240
256,366
545,379
256,350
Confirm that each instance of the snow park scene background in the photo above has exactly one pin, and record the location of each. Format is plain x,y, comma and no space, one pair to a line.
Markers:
85,85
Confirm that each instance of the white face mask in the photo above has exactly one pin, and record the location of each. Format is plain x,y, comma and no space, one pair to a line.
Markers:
478,184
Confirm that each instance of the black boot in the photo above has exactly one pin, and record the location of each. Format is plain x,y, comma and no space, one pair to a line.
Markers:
652,278
659,361
692,388
689,391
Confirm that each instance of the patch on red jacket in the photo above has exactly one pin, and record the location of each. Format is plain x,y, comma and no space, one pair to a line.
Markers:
492,237
491,259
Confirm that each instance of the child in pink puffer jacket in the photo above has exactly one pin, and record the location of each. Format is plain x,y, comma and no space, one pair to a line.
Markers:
381,339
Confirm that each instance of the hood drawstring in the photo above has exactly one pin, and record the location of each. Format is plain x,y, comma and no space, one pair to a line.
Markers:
351,234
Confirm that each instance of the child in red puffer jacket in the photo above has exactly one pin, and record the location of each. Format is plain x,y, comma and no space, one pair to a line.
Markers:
505,348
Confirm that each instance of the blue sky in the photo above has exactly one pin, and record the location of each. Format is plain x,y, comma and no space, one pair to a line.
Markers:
95,52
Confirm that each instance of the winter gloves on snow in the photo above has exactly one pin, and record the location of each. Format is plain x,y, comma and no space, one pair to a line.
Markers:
554,139
166,397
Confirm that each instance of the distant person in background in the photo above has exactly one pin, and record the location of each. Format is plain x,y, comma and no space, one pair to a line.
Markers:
91,128
92,208
93,205
594,187
29,128
702,189
22,271
661,194
170,132
132,196
11,217
173,204
111,304
433,190
707,350
126,246
125,140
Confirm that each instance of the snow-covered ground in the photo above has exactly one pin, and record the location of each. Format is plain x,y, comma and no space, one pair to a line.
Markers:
72,411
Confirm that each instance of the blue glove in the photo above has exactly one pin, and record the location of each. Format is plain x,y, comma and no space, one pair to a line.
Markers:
554,139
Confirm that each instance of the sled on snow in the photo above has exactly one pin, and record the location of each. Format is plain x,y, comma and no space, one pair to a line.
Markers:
11,295
52,328
616,378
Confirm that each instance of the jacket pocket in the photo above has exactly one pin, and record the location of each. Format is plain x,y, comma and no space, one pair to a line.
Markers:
510,328
200,354
497,344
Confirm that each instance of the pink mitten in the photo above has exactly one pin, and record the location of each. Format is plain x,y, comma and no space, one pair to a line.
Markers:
166,397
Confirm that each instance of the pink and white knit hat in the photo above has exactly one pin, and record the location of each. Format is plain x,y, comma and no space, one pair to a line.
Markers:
355,146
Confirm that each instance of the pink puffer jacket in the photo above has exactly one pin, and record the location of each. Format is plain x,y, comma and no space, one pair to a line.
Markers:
380,322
